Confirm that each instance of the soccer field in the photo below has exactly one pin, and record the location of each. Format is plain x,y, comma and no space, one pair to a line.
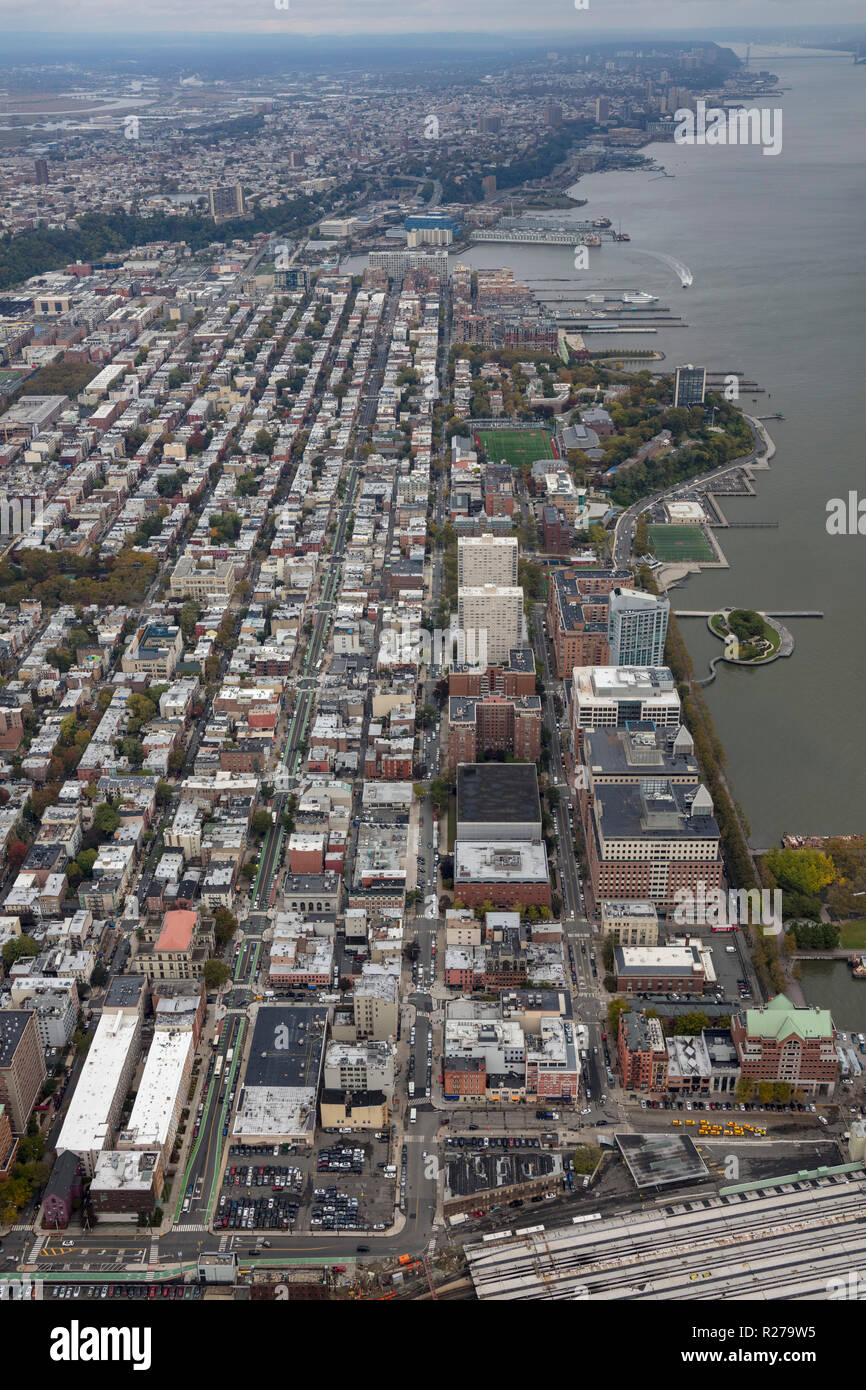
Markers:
672,543
515,446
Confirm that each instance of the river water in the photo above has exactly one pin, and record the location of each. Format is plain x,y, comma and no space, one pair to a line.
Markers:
775,245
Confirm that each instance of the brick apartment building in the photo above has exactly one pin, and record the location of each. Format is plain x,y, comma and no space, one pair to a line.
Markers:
22,1066
578,611
494,724
510,679
643,1058
464,1076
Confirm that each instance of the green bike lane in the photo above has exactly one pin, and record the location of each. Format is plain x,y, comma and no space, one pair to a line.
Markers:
211,1132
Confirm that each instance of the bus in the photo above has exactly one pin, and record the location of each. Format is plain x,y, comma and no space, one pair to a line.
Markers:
229,1055
217,1068
413,1115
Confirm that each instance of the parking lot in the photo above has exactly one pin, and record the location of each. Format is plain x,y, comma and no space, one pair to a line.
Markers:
472,1141
344,1185
106,1291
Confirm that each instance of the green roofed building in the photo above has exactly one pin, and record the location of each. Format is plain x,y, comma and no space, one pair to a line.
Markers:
787,1043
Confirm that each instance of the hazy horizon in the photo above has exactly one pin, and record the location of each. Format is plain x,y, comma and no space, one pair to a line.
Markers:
386,18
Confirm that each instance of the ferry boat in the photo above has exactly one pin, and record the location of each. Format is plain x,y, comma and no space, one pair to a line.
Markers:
591,239
858,967
640,297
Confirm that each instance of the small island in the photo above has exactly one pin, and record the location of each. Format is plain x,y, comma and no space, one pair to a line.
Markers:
749,637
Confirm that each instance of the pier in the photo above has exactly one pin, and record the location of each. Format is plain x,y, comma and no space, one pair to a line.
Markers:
708,613
541,236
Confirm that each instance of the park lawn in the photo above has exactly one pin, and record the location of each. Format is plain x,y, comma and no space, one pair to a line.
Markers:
852,935
516,446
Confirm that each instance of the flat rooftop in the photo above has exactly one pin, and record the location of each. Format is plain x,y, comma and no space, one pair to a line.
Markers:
661,1160
497,793
85,1128
500,861
287,1046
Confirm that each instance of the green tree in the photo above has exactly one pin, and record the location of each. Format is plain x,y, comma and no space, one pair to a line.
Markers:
189,616
18,946
132,750
586,1158
225,925
105,819
688,1025
614,1009
86,860
261,822
216,972
176,760
803,870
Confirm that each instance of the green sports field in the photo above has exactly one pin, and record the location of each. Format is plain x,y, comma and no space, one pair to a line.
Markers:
515,446
672,543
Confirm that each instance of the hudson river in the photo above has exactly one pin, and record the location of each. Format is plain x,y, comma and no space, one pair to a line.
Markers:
775,245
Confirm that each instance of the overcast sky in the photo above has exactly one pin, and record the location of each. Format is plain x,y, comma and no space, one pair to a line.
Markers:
372,17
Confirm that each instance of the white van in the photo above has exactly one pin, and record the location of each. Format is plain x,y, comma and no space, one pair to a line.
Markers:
413,1115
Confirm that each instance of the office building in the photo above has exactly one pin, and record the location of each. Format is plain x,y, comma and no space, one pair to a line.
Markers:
602,109
689,386
648,839
610,697
662,969
498,801
638,625
786,1043
430,229
41,170
630,923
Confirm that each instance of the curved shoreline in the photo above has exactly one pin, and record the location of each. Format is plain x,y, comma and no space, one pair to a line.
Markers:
785,648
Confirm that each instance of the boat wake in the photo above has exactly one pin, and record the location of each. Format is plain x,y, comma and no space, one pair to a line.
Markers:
682,271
